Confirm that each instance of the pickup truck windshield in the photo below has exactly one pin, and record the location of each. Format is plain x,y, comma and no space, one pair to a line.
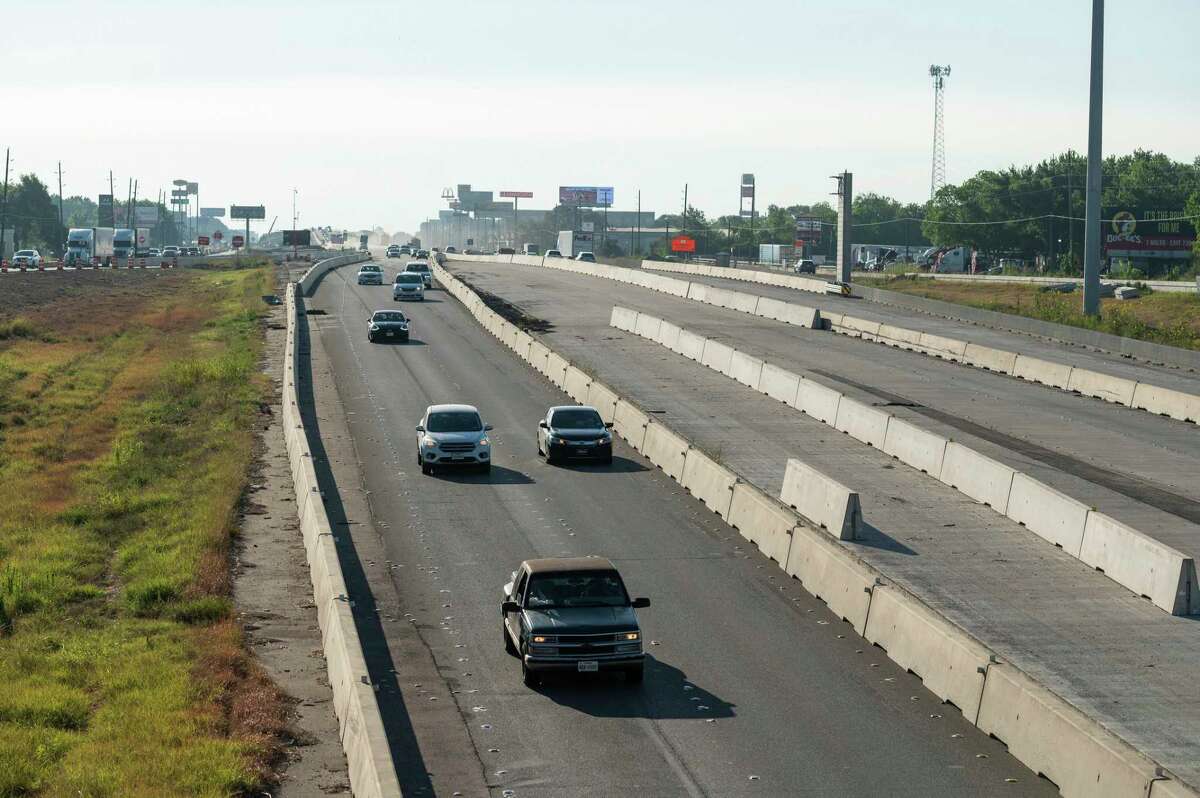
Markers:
454,422
562,591
576,419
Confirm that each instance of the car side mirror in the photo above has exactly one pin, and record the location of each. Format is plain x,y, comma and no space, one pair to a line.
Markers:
510,606
487,427
640,603
543,424
608,425
420,428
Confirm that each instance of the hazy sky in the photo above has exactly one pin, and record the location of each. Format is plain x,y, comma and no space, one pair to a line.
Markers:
371,109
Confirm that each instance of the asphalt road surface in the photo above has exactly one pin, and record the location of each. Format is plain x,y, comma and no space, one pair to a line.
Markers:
752,687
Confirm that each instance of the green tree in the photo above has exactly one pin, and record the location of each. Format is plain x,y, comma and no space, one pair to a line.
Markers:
34,216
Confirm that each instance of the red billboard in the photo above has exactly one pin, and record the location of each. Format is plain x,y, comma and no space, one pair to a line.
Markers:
683,244
202,241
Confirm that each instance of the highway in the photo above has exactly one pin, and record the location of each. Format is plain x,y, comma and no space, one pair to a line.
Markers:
752,686
1107,651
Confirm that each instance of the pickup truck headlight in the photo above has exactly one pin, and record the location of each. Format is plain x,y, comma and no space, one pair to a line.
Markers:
630,636
541,639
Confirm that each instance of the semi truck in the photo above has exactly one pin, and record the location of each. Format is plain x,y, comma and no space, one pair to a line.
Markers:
776,254
86,244
362,242
124,243
571,243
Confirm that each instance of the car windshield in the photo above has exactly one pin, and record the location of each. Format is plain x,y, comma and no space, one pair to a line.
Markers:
585,589
25,252
576,418
369,269
416,267
454,421
76,243
389,315
408,278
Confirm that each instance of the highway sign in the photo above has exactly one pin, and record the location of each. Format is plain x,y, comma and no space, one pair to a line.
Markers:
238,241
144,216
213,213
517,194
202,241
247,212
683,244
104,209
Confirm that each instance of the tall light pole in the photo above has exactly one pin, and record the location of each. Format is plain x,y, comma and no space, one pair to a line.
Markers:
1091,235
295,192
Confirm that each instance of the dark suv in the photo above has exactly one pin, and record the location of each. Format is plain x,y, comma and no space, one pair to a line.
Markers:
572,615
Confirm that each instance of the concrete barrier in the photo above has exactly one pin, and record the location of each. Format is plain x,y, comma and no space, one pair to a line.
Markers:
985,357
521,342
698,292
537,356
666,450
919,448
859,328
734,300
745,369
779,384
576,383
762,521
691,345
1102,386
818,401
630,423
668,335
1167,402
1054,739
321,267
842,581
647,326
788,313
1047,513
623,319
862,422
708,481
977,476
717,355
822,500
1144,565
604,399
943,347
950,663
556,369
901,337
1056,375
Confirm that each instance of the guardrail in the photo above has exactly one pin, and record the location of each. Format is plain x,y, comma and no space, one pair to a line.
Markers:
1041,729
319,269
1129,557
372,771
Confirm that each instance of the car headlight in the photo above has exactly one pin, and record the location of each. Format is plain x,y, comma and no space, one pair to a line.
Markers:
428,441
630,636
484,441
373,327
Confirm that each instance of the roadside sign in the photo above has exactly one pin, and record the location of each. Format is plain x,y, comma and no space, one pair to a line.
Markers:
247,212
238,241
683,244
218,235
202,241
517,194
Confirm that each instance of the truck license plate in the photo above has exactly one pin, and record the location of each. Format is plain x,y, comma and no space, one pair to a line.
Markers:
589,666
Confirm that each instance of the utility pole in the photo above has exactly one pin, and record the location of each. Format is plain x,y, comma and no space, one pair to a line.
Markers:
60,196
129,205
1070,209
295,191
638,234
4,204
1091,232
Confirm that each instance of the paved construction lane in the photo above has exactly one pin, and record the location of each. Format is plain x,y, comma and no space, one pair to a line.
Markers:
752,687
1114,655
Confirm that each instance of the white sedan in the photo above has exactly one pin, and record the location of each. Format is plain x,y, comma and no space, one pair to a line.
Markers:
28,258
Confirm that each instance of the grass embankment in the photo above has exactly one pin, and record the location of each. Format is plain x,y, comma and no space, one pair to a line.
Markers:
1161,317
125,441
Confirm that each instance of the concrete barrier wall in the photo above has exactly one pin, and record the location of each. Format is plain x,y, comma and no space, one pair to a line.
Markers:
623,319
980,477
943,347
917,447
319,269
601,397
859,328
765,523
779,384
1033,369
1053,738
708,481
1047,513
818,401
364,739
1147,567
556,369
576,383
668,335
691,345
537,356
666,450
851,588
717,355
1167,402
822,499
862,422
899,336
647,326
745,369
951,665
1102,386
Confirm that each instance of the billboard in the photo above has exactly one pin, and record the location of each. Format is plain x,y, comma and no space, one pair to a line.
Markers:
247,212
516,194
297,238
144,216
586,196
808,228
1146,233
683,244
193,188
104,206
213,213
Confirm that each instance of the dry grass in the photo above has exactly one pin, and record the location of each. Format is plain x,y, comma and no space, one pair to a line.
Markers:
125,438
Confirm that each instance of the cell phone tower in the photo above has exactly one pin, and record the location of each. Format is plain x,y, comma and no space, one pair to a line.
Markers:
938,177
